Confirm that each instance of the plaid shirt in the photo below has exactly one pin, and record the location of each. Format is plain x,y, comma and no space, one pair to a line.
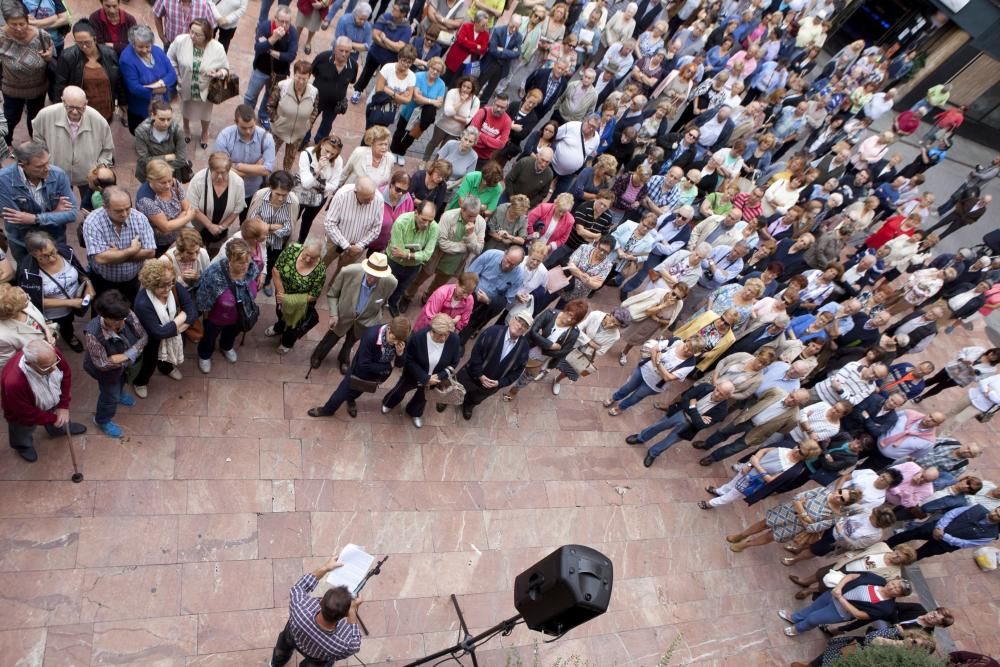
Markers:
668,199
941,456
177,16
99,234
309,638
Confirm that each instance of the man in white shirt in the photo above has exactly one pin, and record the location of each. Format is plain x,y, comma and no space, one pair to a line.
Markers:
575,142
981,397
353,220
873,485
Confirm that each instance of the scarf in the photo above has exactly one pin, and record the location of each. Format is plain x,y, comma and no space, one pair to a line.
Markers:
910,429
46,388
171,349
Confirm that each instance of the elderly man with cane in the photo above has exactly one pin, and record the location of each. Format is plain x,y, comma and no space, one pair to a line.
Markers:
34,391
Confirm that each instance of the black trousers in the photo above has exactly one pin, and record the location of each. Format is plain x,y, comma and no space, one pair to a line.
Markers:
475,393
226,36
481,315
417,403
924,531
128,288
151,363
371,66
876,461
938,383
285,647
309,214
13,109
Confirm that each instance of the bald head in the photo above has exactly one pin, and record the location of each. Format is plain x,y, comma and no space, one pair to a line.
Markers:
724,389
364,189
74,102
40,354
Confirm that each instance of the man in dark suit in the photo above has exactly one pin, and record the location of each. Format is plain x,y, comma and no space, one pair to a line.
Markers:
961,528
381,349
680,149
875,415
753,339
715,124
699,407
418,372
918,325
504,47
552,81
967,212
497,360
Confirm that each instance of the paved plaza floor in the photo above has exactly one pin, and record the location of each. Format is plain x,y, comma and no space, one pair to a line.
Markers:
180,546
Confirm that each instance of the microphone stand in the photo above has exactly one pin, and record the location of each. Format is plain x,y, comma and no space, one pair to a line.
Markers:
374,572
466,646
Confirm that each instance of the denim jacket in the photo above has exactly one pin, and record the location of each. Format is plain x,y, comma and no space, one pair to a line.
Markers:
14,193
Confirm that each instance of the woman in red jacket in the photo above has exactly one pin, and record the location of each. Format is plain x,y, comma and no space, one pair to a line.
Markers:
551,223
894,226
470,45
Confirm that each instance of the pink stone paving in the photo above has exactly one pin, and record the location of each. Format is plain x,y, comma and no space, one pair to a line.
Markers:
179,548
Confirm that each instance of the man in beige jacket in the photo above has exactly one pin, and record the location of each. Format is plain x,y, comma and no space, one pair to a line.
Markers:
776,411
77,137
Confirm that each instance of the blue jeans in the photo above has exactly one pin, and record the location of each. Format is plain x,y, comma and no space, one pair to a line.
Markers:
265,8
107,399
823,610
634,390
404,276
335,7
326,119
633,283
675,423
258,81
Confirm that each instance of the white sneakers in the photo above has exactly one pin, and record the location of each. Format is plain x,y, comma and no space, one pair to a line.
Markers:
230,356
205,365
556,387
175,374
142,391
270,332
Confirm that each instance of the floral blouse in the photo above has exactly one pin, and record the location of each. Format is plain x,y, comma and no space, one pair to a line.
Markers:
293,281
581,258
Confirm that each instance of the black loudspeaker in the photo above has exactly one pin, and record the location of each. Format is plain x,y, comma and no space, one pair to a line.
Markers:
565,589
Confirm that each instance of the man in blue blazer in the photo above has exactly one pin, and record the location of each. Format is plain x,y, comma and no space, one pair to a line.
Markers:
497,360
504,47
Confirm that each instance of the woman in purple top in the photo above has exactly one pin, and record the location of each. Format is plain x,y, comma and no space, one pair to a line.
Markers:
226,285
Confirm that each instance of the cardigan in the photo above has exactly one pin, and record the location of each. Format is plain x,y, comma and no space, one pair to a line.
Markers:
150,321
202,198
14,334
181,54
136,75
539,219
18,400
468,43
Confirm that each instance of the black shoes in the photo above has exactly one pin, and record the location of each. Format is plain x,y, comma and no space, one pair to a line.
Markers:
700,444
343,368
633,439
706,461
28,454
467,412
318,412
440,407
648,461
352,409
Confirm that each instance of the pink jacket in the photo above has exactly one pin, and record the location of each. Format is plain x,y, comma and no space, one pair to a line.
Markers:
440,302
543,213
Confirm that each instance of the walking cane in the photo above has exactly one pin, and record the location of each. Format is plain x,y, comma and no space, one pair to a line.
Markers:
77,475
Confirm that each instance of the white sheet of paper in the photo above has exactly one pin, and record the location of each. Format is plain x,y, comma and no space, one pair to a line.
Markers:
356,562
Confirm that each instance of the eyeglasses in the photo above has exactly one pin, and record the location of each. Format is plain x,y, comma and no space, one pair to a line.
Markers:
74,107
46,369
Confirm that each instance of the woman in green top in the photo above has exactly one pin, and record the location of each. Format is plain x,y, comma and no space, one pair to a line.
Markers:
298,277
721,202
486,185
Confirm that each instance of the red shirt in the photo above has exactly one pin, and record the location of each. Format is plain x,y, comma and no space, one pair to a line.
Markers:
493,131
467,42
887,232
19,401
950,119
907,122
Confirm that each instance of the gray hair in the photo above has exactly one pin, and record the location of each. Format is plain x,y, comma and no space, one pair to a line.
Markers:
35,348
27,151
140,34
344,40
37,240
362,8
703,249
314,243
471,204
471,130
481,16
283,10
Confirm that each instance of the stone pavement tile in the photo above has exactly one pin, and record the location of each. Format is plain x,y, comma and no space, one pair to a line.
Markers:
218,458
69,645
222,496
504,464
280,458
166,641
133,498
332,459
234,659
458,531
633,647
728,634
300,396
334,431
332,531
118,593
282,495
27,646
285,535
226,586
233,631
576,493
513,494
38,543
393,462
125,540
165,425
452,462
240,426
217,537
235,398
187,398
38,599
54,462
390,648
420,615
131,457
402,532
403,431
286,572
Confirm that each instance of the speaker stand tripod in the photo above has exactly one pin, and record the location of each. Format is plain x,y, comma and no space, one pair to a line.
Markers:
467,645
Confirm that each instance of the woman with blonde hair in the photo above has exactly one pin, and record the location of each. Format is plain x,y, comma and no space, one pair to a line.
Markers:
292,108
428,97
165,310
432,355
197,58
216,196
161,199
591,180
188,257
20,322
372,159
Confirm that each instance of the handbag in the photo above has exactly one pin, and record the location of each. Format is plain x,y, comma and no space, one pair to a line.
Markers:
579,360
446,37
381,110
986,417
309,197
363,385
449,392
750,483
223,88
247,311
82,310
195,332
185,172
472,68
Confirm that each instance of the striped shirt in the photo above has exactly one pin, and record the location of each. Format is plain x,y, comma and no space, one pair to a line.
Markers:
821,427
852,387
100,234
350,223
311,640
273,216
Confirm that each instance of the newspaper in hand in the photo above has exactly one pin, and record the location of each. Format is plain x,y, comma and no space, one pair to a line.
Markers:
356,563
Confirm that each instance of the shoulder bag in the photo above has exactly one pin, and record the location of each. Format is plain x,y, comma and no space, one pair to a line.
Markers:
247,311
381,110
363,385
445,37
449,392
221,89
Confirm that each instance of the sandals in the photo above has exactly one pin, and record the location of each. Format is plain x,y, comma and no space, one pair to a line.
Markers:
608,402
508,397
712,490
792,549
798,582
737,547
783,615
703,505
734,539
788,561
614,412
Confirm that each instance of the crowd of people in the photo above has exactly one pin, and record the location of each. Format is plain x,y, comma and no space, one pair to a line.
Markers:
768,258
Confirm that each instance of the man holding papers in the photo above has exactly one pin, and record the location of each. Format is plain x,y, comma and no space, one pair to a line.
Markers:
322,630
